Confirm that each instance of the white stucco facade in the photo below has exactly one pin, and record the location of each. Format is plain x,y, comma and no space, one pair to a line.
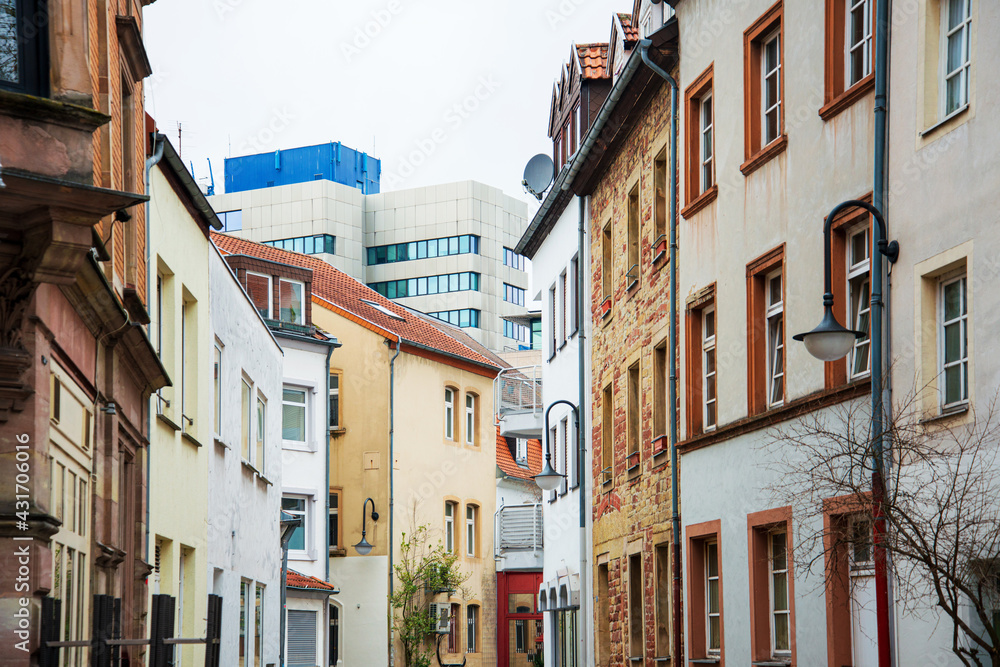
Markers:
243,503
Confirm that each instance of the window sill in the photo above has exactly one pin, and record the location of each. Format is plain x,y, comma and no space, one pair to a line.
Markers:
705,661
248,467
337,552
660,445
220,443
563,345
261,478
190,438
765,155
771,663
296,446
168,421
847,98
947,119
700,202
946,414
337,431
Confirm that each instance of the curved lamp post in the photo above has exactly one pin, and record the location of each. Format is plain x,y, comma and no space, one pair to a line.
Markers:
288,526
364,547
830,341
548,479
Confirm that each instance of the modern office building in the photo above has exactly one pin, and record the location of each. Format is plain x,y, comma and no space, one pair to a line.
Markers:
445,250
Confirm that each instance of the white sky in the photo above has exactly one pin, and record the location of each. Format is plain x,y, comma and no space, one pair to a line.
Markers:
444,90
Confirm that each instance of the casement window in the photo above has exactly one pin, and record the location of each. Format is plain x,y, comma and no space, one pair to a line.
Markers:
293,415
660,202
632,275
580,129
634,406
563,298
851,619
701,370
953,342
471,418
24,47
699,142
521,451
471,530
607,435
336,422
572,454
766,330
636,626
449,527
297,506
261,431
244,619
472,629
705,615
956,53
553,311
859,288
449,413
259,290
775,327
246,419
336,540
771,586
291,301
763,47
848,54
607,262
574,297
217,382
557,150
564,455
258,626
661,594
713,607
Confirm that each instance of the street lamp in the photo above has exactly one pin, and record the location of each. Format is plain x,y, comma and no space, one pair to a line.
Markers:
364,547
548,479
288,527
830,341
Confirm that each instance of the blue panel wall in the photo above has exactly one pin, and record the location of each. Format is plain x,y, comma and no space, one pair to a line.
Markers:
332,162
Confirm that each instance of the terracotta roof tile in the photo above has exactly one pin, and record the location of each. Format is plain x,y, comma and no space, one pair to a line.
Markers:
593,60
344,292
299,580
631,32
510,468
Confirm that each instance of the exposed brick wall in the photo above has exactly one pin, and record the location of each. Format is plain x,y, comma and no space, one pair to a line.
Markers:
636,505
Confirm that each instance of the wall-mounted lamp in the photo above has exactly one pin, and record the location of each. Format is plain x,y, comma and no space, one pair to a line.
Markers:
364,547
109,409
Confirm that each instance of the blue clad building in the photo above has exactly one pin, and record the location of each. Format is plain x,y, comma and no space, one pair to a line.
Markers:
330,162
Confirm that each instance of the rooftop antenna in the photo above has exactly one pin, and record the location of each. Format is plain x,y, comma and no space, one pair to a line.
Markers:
211,186
538,175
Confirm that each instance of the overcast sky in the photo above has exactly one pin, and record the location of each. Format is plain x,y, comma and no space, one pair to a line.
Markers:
439,90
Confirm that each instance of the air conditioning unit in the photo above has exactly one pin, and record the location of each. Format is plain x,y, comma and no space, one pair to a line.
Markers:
439,612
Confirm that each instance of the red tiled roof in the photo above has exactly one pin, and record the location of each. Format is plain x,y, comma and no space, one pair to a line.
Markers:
338,291
510,468
299,580
593,60
631,32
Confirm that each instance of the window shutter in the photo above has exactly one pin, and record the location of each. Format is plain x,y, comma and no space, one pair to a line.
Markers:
301,638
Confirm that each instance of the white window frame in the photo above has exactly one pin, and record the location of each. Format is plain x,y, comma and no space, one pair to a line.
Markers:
962,363
774,319
774,613
563,460
471,628
521,451
563,302
864,44
449,413
449,526
260,429
305,415
471,515
246,412
306,522
470,419
245,594
302,299
708,347
270,294
963,32
335,392
709,614
706,140
859,300
766,74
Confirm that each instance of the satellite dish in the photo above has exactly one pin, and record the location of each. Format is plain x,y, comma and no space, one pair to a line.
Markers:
538,175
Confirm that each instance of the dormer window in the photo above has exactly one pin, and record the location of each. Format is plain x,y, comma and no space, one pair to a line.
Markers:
259,290
291,301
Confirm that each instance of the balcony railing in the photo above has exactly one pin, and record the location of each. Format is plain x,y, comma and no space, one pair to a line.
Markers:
519,528
518,391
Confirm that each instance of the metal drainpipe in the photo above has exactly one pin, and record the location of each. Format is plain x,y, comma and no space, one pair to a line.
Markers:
581,436
882,586
392,465
151,161
677,649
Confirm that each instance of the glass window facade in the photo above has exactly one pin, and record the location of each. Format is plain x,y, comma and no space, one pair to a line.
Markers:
513,260
518,332
464,317
308,245
450,282
513,294
232,221
405,252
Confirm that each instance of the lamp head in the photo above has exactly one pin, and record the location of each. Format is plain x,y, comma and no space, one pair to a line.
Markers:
829,341
548,479
363,547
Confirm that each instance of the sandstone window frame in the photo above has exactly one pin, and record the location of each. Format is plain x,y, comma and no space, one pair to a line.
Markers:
699,537
699,102
761,373
697,306
762,527
839,93
759,147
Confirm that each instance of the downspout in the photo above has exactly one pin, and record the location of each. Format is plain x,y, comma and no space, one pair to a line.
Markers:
585,616
677,650
882,584
151,161
392,466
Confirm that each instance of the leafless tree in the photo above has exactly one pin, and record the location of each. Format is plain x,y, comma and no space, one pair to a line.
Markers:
941,509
